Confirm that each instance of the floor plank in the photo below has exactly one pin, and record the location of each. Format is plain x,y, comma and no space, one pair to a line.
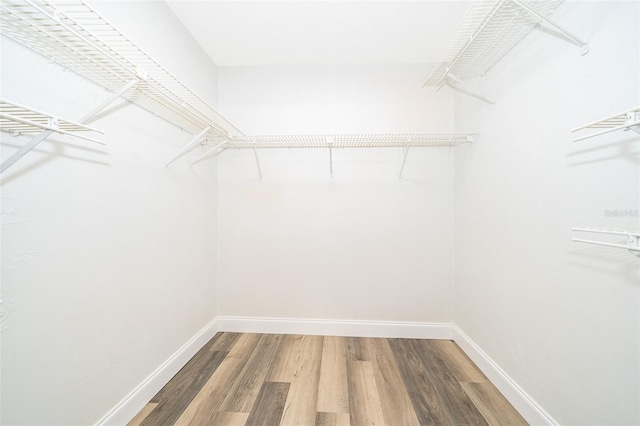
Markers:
280,370
225,418
247,385
302,400
300,407
332,419
356,349
395,402
495,409
424,397
206,402
225,341
293,349
364,401
333,391
269,405
456,402
458,362
142,414
190,370
180,391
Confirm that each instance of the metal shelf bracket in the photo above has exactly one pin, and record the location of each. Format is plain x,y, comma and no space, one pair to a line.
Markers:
404,158
488,31
209,153
53,125
584,47
255,152
633,239
465,87
330,145
189,145
626,120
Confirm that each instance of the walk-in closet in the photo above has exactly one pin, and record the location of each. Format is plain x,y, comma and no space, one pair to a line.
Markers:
320,212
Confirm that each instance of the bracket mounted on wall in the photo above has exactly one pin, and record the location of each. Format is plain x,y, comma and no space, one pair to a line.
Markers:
488,31
75,36
633,239
18,119
625,120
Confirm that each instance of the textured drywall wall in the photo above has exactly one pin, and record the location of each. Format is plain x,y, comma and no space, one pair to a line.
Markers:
360,245
561,318
108,257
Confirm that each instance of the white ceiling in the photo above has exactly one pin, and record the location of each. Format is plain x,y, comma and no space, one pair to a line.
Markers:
306,32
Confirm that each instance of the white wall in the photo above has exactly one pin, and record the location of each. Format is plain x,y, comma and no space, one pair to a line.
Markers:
361,245
108,258
560,318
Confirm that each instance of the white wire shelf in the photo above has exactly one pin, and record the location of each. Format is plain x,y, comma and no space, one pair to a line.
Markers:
349,140
625,120
329,142
19,119
632,243
72,34
488,31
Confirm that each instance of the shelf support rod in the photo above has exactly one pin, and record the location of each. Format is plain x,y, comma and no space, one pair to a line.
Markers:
189,145
208,153
331,160
576,40
470,89
125,67
255,153
404,159
43,135
107,102
632,246
631,111
633,239
50,127
625,126
25,148
330,144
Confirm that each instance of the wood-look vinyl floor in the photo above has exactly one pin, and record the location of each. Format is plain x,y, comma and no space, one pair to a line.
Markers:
270,380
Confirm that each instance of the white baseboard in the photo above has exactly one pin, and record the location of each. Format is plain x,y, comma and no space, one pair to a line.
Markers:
526,406
412,330
126,409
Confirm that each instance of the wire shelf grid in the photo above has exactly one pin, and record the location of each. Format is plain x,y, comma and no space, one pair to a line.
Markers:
71,33
349,140
625,120
19,119
488,31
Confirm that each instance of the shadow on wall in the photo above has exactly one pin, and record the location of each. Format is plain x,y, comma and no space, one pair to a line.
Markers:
59,150
625,150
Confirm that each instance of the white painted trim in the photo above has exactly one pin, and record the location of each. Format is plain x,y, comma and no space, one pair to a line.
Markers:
126,409
526,406
318,327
